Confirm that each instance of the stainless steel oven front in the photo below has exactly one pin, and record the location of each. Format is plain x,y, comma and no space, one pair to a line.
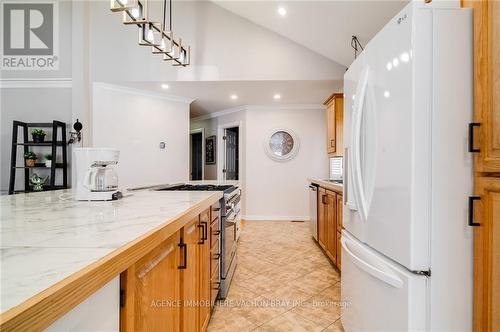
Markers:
231,215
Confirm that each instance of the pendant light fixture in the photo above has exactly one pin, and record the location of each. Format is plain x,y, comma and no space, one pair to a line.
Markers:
158,36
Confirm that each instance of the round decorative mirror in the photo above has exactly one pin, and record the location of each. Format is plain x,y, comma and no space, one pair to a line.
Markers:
281,144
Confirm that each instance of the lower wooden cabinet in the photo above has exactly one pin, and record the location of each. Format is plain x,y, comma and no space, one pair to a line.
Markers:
150,290
330,224
170,289
487,255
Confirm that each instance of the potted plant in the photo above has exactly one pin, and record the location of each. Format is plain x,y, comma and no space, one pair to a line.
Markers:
38,135
30,158
48,160
37,182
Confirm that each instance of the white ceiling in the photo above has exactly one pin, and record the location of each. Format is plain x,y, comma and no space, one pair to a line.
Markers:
325,27
214,96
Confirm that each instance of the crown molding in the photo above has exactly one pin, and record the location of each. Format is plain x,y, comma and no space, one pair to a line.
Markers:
219,113
35,83
141,92
259,107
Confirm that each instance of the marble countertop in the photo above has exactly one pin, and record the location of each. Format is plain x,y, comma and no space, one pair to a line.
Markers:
46,237
327,184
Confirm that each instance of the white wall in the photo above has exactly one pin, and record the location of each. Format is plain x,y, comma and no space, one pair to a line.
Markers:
224,47
136,122
276,190
36,96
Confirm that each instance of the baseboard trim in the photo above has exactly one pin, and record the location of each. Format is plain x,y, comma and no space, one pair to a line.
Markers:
275,218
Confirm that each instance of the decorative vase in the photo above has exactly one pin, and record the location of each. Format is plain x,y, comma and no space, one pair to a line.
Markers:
30,162
48,163
38,138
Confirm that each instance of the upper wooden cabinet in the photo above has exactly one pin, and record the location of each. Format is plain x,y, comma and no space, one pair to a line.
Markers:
486,84
335,122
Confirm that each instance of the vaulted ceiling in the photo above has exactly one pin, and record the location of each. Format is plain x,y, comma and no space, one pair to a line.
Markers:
325,27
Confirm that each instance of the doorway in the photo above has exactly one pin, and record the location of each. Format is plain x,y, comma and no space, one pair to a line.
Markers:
231,147
196,155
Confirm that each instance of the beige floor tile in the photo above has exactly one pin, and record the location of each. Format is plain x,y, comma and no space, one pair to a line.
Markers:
289,322
335,327
281,272
320,309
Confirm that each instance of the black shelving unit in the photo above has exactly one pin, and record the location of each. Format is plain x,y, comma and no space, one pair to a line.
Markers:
54,144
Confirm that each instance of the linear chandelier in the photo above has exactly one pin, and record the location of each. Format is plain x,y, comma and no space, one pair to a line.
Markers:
156,35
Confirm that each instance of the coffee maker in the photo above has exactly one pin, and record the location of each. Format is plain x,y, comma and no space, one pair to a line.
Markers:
96,177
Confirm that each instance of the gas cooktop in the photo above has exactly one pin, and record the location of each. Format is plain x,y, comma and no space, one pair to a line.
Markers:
198,187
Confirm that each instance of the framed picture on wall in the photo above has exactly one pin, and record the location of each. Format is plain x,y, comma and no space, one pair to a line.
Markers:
210,150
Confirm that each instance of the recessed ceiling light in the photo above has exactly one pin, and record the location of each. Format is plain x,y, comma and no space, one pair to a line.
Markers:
282,11
234,97
164,86
277,96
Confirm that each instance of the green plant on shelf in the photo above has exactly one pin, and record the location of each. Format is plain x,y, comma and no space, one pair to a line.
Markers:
38,135
30,158
48,160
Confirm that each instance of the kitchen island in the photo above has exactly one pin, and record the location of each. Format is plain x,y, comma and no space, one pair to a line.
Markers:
56,252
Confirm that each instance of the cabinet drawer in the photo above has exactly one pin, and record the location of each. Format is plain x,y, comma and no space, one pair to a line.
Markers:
214,233
214,286
205,216
214,211
214,257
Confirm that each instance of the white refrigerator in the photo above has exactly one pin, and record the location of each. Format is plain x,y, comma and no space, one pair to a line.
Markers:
407,246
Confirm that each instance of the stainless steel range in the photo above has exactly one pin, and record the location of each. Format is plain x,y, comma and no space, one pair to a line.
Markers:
230,224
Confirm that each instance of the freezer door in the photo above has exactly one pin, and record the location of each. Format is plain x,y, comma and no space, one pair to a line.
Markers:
377,294
390,149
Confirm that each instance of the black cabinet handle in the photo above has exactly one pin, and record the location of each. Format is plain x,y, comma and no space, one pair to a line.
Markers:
471,210
216,209
183,247
204,232
471,137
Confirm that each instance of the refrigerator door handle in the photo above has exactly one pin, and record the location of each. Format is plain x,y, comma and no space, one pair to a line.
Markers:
389,278
356,145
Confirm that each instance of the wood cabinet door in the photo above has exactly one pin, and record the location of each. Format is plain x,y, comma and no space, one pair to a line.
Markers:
487,255
152,290
486,83
322,217
331,229
205,271
331,128
190,286
339,126
339,251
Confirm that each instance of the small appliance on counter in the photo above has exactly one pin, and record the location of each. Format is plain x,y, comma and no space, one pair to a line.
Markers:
96,177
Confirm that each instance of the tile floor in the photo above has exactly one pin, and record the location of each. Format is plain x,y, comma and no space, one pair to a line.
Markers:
283,282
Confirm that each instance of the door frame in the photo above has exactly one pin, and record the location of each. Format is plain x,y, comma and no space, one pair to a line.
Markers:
221,147
196,131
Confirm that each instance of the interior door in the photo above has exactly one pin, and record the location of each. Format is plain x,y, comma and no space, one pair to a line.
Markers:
231,166
190,277
196,156
380,295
